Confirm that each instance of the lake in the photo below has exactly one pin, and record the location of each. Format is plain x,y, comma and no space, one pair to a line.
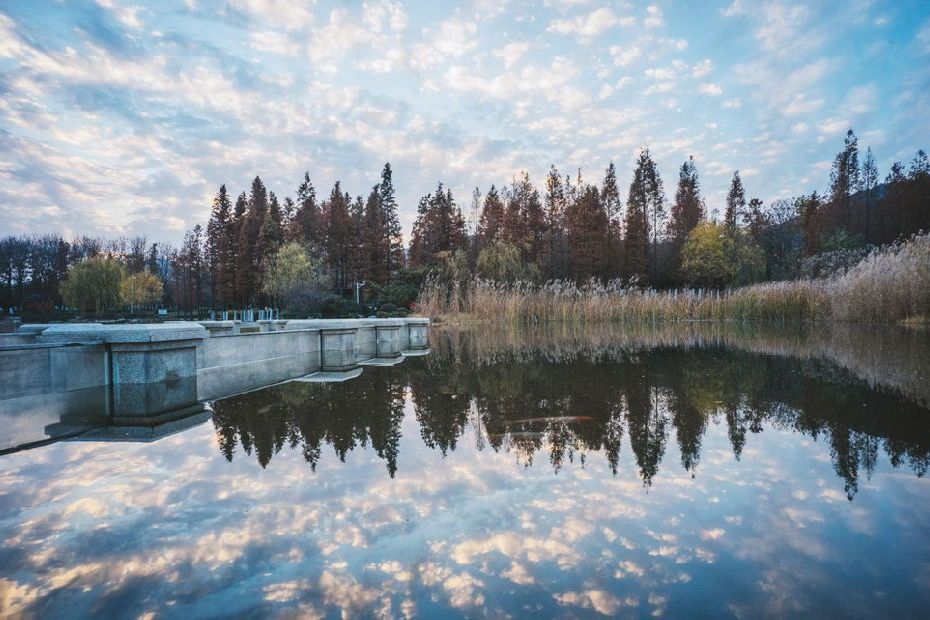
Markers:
697,470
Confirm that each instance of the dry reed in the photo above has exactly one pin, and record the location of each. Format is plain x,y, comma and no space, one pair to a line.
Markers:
891,284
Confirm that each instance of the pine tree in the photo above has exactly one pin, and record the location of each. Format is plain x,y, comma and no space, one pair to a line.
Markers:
338,236
636,224
917,201
645,211
808,208
555,263
217,247
272,233
844,177
251,249
892,209
688,208
308,220
239,267
869,184
439,228
358,262
610,197
491,224
394,257
586,229
376,240
736,203
514,216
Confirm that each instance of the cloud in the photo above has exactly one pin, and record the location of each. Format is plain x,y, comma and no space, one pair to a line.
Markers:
624,56
711,89
702,69
589,25
452,39
654,17
512,52
600,601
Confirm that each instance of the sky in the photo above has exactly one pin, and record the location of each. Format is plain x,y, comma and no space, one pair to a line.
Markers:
120,117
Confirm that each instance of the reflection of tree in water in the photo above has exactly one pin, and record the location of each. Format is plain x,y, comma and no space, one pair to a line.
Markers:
366,411
571,400
574,398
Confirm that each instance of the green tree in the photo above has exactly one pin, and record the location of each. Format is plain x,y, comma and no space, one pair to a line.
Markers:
93,285
715,257
501,261
293,278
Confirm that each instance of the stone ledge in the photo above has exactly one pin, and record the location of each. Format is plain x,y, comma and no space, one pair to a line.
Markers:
98,332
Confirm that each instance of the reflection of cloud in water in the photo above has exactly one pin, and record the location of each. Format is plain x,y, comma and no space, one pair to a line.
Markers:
175,528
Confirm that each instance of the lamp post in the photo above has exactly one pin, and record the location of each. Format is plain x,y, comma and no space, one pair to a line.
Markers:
358,287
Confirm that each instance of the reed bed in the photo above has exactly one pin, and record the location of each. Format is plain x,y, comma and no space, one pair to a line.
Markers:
890,284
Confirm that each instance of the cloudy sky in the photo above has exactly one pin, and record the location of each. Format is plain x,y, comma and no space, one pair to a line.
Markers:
122,117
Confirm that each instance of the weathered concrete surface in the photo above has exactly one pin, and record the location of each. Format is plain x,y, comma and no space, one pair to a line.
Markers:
231,364
63,375
41,369
337,349
418,333
99,332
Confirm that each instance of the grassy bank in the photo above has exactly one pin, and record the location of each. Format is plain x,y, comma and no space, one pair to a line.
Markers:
891,284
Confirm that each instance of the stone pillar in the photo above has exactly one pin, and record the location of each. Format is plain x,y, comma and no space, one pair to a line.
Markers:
337,349
152,368
418,332
388,338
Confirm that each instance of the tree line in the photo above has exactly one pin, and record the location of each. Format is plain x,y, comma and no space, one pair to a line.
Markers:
567,229
575,230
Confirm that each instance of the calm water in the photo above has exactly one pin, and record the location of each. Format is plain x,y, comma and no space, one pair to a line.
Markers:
690,472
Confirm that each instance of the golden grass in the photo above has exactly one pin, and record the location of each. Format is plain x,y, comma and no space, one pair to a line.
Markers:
891,284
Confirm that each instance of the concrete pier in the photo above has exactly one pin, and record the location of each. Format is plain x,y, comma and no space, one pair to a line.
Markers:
153,371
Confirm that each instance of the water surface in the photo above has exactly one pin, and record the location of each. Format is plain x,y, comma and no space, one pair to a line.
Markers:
699,470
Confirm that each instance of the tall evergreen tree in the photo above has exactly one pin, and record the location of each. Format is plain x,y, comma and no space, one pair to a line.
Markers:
272,233
308,220
610,197
555,264
394,258
375,241
688,208
645,211
844,178
238,262
217,247
491,224
251,248
586,227
869,185
736,202
338,242
439,227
